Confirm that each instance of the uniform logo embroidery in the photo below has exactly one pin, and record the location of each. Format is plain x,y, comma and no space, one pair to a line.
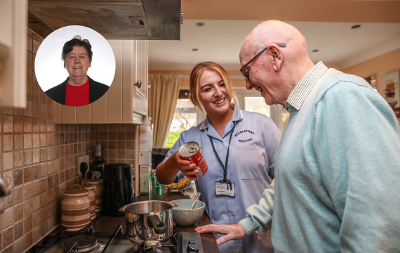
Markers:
246,140
244,131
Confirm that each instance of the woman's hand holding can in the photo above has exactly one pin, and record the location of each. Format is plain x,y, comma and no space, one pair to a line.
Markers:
191,151
187,168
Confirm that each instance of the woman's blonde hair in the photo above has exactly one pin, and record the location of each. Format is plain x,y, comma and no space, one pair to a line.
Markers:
195,80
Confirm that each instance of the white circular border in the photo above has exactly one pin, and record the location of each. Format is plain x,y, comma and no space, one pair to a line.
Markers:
49,67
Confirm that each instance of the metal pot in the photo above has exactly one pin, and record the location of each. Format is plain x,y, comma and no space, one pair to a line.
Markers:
148,222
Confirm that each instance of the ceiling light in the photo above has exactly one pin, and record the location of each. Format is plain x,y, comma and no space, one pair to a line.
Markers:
200,24
355,26
195,49
315,50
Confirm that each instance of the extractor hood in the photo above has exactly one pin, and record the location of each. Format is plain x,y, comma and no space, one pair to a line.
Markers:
114,19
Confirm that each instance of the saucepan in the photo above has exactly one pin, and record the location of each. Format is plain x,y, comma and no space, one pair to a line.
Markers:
148,222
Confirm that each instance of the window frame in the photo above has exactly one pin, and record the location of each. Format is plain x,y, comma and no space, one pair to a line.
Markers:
195,109
275,110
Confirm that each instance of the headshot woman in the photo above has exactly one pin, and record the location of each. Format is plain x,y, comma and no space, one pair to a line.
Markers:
78,89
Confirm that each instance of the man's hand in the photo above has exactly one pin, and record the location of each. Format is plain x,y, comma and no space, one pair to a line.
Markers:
231,232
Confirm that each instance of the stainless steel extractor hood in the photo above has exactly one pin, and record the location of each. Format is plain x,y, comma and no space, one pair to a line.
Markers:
114,19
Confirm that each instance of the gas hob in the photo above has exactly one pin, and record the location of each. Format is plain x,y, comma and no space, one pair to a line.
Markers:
89,241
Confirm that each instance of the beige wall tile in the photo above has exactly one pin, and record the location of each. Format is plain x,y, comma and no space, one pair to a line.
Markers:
28,223
8,218
28,123
18,141
27,191
35,140
28,239
7,123
19,244
27,141
8,160
18,158
28,206
28,157
7,237
8,142
18,176
8,176
18,212
18,231
28,108
36,203
18,124
18,194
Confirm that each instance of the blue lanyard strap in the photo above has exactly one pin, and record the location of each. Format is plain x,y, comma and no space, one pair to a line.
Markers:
225,168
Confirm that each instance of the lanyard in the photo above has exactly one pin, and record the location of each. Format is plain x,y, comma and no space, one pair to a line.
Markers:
227,155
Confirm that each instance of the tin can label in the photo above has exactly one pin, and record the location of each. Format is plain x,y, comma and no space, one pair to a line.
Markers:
191,151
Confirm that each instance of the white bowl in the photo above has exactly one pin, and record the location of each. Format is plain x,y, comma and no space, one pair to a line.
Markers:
184,217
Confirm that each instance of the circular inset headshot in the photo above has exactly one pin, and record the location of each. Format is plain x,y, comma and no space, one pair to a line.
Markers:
75,65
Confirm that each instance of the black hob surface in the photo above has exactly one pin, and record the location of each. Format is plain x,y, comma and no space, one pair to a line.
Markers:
90,241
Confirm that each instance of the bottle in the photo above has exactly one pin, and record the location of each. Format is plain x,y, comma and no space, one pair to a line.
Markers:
154,186
97,166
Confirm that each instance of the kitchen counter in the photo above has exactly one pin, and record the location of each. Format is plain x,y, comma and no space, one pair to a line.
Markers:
108,224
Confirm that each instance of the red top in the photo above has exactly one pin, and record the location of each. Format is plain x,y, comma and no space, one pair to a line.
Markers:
77,95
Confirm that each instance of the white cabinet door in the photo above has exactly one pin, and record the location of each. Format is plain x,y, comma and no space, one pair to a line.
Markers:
123,103
140,89
141,104
129,76
13,52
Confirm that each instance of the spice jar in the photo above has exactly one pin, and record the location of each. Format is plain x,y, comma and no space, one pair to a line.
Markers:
75,208
92,198
98,190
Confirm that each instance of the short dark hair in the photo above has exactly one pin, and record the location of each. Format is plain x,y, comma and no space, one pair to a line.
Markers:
77,41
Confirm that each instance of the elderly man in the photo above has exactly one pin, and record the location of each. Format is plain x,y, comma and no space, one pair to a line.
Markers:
338,165
78,89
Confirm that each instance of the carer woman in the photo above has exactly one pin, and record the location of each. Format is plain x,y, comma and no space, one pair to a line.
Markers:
239,148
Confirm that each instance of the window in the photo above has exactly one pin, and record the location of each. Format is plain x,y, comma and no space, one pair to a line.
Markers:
256,104
372,81
253,102
186,116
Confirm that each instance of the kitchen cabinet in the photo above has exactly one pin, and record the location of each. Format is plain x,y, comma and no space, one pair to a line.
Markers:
124,101
13,27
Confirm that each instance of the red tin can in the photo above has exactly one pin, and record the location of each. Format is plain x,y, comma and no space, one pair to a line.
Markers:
191,151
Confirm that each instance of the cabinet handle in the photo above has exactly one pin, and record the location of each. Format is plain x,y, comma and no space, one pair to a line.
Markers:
138,84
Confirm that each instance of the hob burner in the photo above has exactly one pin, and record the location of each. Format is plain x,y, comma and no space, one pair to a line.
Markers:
81,243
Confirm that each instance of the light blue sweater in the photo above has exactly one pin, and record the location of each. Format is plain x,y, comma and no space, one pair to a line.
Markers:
337,173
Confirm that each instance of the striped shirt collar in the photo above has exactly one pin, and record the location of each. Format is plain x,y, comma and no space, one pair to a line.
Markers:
303,88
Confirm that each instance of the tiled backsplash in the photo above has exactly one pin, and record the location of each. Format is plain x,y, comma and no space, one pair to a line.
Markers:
38,160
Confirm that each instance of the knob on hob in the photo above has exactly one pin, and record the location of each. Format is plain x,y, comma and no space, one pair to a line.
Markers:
192,247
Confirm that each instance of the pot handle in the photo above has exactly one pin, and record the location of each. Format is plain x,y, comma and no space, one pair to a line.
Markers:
154,222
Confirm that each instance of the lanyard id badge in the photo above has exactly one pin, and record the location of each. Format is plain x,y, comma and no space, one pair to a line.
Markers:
225,188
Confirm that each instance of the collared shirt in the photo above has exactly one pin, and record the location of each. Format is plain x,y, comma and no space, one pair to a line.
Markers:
252,151
303,88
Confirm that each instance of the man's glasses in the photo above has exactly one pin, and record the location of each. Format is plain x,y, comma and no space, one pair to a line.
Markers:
246,73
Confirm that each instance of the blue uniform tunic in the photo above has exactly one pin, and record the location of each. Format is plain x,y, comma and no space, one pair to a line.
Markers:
251,160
